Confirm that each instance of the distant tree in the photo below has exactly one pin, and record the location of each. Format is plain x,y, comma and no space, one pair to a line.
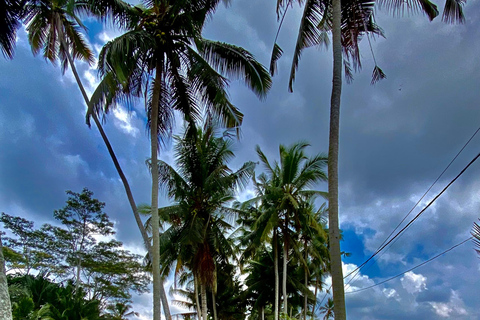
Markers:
82,219
26,251
328,310
103,270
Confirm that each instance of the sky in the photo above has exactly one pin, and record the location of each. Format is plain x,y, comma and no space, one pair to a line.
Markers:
396,138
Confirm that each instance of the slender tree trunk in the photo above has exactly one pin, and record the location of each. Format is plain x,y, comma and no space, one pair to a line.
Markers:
284,276
5,305
275,267
214,306
126,185
197,302
315,301
154,167
203,289
263,312
334,232
305,281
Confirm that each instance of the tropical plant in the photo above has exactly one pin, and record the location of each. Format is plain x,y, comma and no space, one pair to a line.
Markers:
328,310
201,188
281,190
175,68
10,14
54,27
335,16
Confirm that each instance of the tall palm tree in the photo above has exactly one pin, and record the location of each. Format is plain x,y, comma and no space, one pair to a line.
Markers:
53,27
281,190
331,15
10,15
201,188
175,68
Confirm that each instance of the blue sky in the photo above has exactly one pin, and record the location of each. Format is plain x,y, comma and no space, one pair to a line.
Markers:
396,138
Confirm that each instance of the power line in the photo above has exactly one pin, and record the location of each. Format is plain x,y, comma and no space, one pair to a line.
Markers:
357,270
416,217
382,245
417,266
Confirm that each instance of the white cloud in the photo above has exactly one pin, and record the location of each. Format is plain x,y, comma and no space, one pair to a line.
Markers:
413,282
123,121
454,307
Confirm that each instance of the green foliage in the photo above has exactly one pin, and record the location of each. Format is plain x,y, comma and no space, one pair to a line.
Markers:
103,270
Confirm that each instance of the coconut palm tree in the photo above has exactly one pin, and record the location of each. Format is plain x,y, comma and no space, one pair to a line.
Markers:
10,15
201,188
175,67
331,15
281,190
174,76
328,309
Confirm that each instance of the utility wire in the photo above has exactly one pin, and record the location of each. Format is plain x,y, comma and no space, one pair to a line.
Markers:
357,270
417,266
416,217
380,248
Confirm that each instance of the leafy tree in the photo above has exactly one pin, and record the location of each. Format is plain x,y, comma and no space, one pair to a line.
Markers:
103,270
82,219
25,252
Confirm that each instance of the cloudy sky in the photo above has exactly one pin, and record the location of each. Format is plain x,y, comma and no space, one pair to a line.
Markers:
396,139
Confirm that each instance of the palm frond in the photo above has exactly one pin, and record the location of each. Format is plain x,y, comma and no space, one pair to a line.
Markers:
453,11
236,62
377,75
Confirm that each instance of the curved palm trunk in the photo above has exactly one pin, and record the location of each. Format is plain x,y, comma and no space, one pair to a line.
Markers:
126,185
334,232
5,305
275,267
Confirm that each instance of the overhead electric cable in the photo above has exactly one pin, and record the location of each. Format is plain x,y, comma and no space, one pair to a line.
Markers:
380,248
417,266
416,217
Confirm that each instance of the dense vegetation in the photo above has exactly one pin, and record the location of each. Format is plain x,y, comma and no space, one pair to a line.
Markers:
205,239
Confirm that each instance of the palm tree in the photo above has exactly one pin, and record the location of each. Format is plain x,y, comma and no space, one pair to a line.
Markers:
53,27
281,190
174,76
320,16
328,309
10,14
202,186
120,311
